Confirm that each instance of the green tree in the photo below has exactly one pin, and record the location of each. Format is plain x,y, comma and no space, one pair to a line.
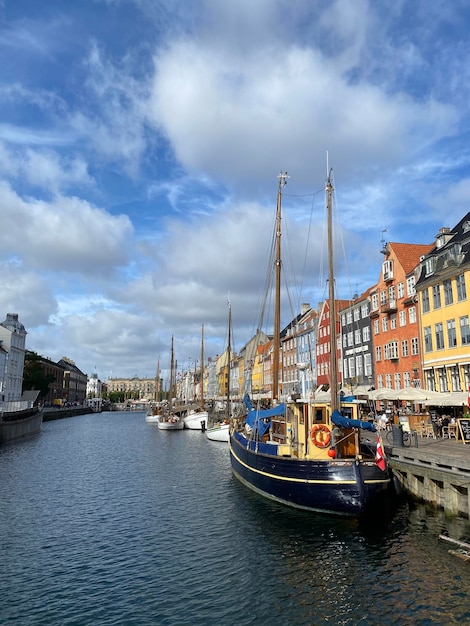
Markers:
34,376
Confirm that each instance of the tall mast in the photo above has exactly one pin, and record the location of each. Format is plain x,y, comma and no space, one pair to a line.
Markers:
282,178
172,373
229,353
202,371
157,382
331,299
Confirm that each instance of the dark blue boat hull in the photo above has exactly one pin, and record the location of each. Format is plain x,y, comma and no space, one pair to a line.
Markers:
338,486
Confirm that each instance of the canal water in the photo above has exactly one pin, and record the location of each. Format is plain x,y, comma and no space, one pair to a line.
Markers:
105,520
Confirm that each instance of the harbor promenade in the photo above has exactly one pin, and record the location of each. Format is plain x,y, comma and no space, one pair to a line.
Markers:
436,471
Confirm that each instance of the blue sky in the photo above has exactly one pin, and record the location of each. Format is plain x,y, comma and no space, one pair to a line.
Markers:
140,143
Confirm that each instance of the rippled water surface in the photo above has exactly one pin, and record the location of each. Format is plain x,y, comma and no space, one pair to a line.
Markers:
106,520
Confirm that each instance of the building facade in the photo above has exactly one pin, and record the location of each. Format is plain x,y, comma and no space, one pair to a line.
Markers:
13,342
443,287
395,318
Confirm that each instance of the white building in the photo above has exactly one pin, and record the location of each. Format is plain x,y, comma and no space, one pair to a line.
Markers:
12,341
94,387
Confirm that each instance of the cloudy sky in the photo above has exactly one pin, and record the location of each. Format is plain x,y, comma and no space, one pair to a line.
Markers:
140,143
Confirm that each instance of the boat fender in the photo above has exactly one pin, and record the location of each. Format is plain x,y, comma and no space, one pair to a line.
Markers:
320,435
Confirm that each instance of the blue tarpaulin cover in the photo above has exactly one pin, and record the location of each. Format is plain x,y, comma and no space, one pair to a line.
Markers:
260,419
345,422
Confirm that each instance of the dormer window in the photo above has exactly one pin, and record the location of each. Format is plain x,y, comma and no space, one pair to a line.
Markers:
387,269
429,266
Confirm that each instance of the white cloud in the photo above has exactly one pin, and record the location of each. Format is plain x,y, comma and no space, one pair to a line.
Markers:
65,235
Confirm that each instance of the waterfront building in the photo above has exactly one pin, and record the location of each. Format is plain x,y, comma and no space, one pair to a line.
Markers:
247,358
306,333
395,318
356,344
289,374
133,388
75,381
443,288
12,341
267,368
323,343
210,373
94,387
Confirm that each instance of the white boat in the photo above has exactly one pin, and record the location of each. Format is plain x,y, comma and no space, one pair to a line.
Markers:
219,432
150,418
153,415
198,418
170,422
167,418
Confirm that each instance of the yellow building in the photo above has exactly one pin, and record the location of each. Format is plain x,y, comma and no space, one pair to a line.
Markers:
443,289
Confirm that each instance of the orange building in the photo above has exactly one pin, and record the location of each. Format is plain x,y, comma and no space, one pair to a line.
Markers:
395,320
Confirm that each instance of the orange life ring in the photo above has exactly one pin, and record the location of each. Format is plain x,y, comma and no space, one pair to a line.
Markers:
320,435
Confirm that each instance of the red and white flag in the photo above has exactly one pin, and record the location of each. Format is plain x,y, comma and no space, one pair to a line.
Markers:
379,455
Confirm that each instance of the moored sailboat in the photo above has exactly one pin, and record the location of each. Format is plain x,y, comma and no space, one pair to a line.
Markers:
219,429
197,418
168,419
302,454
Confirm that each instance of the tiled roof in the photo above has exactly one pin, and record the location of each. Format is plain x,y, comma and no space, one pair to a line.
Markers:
409,254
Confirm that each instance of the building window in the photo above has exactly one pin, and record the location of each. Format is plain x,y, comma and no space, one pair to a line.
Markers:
439,333
376,327
404,347
400,290
448,297
414,346
461,289
359,366
388,381
375,302
451,334
397,380
357,336
366,334
383,297
393,321
455,378
412,314
368,364
406,379
391,350
384,324
378,353
410,286
427,339
431,380
436,296
443,380
402,318
387,268
425,301
464,330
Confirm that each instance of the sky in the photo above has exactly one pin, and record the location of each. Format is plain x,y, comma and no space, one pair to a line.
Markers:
141,141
